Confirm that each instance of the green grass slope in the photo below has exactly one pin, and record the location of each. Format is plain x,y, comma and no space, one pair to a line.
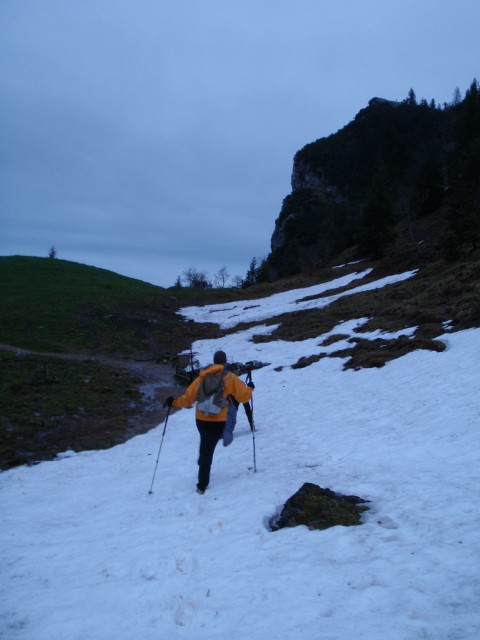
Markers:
55,305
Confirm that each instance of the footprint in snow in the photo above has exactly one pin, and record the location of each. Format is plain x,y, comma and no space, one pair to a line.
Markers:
184,612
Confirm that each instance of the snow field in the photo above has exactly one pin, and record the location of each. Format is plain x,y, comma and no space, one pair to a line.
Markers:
88,554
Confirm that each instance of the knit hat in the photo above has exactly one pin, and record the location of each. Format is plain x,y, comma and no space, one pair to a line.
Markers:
220,357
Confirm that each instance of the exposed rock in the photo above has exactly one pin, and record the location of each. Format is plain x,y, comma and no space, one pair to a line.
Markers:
319,508
279,236
304,176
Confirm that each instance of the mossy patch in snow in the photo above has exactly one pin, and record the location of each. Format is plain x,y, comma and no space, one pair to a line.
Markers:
319,508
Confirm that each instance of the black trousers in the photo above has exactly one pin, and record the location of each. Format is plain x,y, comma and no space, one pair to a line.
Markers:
210,434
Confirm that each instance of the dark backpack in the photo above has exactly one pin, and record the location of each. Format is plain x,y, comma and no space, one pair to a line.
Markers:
210,398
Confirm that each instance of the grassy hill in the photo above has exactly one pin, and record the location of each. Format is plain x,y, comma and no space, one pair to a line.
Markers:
56,305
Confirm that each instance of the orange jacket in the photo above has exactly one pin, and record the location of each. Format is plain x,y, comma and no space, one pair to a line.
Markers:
233,386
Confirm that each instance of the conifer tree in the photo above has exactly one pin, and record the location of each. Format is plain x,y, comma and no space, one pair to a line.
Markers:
457,97
252,274
377,222
411,98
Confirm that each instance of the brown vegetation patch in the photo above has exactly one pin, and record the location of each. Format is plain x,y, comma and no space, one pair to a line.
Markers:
306,361
375,353
332,339
319,508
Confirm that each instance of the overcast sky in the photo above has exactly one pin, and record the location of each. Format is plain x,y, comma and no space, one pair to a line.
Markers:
149,136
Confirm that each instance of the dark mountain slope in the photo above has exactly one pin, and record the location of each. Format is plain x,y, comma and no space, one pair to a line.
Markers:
371,182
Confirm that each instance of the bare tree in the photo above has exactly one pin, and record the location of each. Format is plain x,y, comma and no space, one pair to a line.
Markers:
196,279
221,277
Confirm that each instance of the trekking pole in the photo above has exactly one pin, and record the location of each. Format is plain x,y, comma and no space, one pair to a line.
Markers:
191,364
252,425
254,456
159,450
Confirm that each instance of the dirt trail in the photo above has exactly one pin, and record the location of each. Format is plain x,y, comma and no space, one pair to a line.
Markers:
157,384
150,369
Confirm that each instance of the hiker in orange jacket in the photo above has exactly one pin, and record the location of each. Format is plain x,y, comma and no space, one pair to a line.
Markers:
210,427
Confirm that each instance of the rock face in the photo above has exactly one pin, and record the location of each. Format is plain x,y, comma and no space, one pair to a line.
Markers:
304,177
279,235
319,508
